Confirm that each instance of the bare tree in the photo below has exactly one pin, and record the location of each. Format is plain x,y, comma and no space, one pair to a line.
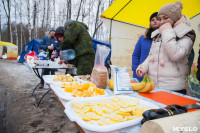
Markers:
34,19
16,6
69,9
29,20
54,10
110,2
48,11
97,23
86,11
7,9
44,12
79,10
21,29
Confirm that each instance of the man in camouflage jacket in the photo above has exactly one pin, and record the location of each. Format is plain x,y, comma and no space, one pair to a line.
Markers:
76,37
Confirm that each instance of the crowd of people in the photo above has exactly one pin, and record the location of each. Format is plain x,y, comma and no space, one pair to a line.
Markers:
73,35
165,51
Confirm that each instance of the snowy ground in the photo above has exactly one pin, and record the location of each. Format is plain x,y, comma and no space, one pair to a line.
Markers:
18,111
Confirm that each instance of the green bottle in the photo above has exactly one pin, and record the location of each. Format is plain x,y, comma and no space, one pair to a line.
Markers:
47,54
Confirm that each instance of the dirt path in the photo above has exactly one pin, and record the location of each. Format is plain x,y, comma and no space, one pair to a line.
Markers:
18,113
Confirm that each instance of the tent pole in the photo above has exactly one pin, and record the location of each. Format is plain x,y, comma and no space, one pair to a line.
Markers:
110,33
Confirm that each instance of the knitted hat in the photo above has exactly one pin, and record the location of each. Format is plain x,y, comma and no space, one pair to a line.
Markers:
59,35
68,22
52,29
60,30
155,14
172,10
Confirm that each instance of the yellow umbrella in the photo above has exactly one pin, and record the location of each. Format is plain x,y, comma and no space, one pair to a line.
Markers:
137,12
6,43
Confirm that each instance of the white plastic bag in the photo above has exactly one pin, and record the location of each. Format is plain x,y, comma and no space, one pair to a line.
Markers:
122,83
99,74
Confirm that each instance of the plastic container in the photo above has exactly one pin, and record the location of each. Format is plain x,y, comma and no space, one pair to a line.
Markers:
68,54
60,92
108,128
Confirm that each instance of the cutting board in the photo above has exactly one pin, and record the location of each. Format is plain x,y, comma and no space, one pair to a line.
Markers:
169,98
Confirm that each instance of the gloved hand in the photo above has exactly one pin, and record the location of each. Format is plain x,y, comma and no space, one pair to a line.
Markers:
141,70
165,27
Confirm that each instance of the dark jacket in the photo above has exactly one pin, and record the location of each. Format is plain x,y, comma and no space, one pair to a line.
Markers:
76,37
198,67
48,41
140,53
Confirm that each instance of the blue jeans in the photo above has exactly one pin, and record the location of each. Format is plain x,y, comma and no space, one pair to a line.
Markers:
46,72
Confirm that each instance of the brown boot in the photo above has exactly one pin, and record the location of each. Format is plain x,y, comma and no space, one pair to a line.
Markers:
41,86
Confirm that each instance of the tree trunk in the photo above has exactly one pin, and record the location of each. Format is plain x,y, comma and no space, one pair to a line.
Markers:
37,19
47,21
44,12
29,20
96,26
69,9
86,11
8,18
20,18
16,24
34,19
79,11
54,8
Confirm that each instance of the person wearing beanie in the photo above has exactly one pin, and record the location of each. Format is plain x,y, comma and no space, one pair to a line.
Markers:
67,23
52,29
48,44
167,62
76,37
59,33
143,45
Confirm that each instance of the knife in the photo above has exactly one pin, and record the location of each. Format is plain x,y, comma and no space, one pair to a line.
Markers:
193,106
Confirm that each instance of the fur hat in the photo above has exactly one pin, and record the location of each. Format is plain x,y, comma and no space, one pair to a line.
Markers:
172,10
68,22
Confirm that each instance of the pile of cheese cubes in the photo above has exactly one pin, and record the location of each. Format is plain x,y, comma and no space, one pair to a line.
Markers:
64,78
109,111
82,89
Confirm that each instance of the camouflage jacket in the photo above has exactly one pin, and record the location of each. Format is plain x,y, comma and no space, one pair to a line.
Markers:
77,37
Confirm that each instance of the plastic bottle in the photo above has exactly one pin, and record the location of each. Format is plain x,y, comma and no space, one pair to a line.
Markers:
68,54
54,55
47,53
163,112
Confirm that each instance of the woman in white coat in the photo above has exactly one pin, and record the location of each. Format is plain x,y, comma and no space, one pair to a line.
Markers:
167,63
